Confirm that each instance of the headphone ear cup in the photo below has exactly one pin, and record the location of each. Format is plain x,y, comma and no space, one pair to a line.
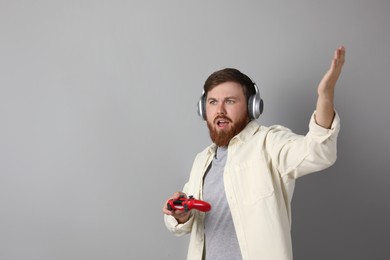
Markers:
255,106
261,106
250,107
201,107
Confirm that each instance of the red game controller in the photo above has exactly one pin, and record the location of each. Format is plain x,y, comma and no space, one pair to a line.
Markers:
186,204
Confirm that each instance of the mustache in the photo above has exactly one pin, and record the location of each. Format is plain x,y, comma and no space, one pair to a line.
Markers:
222,118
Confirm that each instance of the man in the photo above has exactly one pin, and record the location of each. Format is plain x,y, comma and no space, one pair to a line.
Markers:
248,173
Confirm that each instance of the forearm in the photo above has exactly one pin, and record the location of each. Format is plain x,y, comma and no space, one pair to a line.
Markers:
325,110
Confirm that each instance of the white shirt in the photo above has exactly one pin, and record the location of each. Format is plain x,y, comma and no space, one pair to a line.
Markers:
262,166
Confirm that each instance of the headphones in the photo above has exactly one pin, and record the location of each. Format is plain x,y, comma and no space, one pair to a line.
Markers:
255,105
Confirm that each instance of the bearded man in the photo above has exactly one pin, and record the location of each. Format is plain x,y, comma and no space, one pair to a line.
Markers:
248,174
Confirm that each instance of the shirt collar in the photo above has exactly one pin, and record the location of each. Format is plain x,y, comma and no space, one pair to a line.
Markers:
245,135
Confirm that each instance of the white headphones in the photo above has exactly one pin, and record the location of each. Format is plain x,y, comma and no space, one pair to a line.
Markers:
255,105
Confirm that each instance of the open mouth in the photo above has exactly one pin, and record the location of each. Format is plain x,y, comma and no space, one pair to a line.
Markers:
222,122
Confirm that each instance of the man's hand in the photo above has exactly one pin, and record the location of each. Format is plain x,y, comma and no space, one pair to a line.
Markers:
180,215
325,106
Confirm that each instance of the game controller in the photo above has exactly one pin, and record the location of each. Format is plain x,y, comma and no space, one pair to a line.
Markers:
186,204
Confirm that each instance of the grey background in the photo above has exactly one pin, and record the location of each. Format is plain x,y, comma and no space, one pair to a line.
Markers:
98,124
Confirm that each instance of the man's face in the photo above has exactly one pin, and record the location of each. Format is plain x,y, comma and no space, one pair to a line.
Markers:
226,112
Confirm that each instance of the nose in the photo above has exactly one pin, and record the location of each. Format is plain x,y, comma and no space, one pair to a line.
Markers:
221,108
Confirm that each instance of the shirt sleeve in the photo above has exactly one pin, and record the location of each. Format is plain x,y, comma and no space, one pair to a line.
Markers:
178,229
320,133
297,155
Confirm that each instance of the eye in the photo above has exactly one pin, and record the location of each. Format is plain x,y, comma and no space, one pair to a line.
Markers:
229,101
212,102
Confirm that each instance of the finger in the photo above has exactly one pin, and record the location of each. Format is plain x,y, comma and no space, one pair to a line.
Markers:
166,211
338,58
177,195
340,54
165,208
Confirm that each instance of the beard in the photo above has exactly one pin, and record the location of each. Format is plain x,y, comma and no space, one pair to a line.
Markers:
223,137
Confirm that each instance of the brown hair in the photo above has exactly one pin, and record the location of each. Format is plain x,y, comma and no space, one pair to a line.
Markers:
230,75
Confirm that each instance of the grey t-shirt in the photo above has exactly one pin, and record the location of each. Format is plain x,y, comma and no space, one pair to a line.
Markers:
220,235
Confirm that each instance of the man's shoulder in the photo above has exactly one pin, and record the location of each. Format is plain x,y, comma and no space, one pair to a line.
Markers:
255,129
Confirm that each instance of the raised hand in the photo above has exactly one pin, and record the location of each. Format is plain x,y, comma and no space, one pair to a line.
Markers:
325,102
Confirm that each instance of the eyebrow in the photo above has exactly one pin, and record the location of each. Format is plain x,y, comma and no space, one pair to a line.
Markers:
229,97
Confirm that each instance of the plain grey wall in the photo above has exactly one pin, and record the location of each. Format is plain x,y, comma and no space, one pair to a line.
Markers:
98,123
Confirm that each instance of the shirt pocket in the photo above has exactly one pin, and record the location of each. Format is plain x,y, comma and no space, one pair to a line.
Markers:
251,181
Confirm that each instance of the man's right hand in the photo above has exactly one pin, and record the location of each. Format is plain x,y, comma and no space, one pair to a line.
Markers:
180,215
